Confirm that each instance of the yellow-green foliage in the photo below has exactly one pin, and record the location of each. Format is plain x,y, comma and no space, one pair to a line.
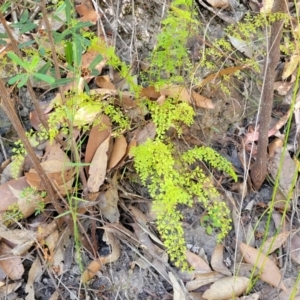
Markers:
79,108
169,61
12,214
170,113
251,30
174,179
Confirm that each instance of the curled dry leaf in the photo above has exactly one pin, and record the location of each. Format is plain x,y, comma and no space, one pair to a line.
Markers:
217,261
203,279
98,167
96,264
269,272
12,266
227,288
197,262
118,152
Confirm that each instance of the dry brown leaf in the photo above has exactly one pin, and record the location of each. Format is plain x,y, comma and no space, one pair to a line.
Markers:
108,204
203,279
181,93
91,270
149,92
178,293
98,167
226,71
12,266
104,82
95,265
35,271
118,152
269,272
7,196
273,243
218,3
30,203
35,120
275,144
290,67
87,59
53,151
217,261
197,262
295,238
148,132
287,169
138,215
98,134
7,289
126,100
87,13
46,229
282,87
227,288
57,171
58,246
16,236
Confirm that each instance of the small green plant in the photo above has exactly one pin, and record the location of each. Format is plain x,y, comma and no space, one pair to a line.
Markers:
30,194
12,213
169,61
174,179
